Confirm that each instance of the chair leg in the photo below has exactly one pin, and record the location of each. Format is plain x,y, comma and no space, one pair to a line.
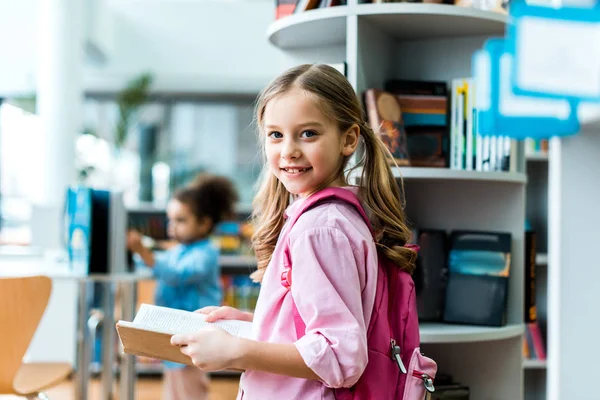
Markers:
39,396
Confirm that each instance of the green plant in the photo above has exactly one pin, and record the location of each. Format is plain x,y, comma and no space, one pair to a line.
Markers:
129,100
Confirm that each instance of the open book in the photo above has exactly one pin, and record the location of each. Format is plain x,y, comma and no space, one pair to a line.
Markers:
150,332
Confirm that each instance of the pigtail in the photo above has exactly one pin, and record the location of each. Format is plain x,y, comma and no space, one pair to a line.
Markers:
382,196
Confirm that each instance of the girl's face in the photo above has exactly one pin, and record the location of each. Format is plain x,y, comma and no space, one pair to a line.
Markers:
304,147
184,227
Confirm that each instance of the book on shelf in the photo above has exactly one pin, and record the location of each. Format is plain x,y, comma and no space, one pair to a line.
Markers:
283,8
469,149
533,342
479,264
385,118
305,5
149,334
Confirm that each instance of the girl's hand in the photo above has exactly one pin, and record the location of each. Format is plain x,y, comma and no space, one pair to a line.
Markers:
134,241
216,313
211,349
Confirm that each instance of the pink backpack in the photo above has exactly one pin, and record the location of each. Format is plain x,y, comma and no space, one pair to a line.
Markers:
396,369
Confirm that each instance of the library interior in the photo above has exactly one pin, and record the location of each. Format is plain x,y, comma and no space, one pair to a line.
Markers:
151,162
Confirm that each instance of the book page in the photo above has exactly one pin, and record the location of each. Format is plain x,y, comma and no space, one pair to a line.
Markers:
172,321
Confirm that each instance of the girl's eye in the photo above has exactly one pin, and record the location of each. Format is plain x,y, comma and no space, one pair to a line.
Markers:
275,135
309,134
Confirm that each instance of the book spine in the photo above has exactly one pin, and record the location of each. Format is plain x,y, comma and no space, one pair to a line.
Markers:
530,305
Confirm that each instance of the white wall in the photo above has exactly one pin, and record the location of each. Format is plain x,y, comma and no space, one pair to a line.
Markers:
209,46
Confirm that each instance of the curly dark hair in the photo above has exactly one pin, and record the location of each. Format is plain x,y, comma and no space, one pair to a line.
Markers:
211,196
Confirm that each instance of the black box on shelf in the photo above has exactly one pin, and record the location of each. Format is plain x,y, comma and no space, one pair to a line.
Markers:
479,269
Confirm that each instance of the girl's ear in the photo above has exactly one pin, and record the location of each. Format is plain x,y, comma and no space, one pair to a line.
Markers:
350,140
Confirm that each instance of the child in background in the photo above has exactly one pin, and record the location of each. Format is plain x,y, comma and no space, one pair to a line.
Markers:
188,274
310,122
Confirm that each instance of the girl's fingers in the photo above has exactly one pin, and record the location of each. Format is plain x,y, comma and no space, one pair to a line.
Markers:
206,310
179,340
219,313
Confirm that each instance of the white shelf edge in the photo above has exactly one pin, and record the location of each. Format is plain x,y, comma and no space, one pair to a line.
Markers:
307,16
417,173
534,364
537,156
447,333
234,261
430,9
278,26
541,259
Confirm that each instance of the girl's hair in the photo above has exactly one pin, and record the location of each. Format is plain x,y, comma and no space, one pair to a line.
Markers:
209,196
378,190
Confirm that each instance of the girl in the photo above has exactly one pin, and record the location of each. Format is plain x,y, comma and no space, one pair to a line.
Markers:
188,275
310,123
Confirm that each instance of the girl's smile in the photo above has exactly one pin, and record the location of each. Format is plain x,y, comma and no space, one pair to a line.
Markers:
305,148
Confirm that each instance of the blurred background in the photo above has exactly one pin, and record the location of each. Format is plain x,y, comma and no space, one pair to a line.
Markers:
137,95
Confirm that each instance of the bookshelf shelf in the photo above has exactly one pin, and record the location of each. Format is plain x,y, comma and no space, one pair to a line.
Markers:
233,261
425,21
541,259
534,364
320,27
446,333
327,26
444,174
537,156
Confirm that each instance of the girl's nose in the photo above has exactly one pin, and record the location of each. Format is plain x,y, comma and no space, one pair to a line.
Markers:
290,149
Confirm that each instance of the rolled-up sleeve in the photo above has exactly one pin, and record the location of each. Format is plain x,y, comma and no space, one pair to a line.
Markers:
326,288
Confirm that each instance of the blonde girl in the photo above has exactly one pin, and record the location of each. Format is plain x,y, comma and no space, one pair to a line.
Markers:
310,125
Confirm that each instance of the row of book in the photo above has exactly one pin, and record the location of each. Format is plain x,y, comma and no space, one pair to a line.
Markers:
469,150
536,146
423,124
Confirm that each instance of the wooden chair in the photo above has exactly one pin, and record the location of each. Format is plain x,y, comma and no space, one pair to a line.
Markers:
22,304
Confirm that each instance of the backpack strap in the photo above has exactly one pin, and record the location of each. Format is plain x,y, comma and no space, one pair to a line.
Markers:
330,193
321,196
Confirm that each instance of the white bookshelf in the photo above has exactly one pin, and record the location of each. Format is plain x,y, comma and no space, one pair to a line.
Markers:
573,266
534,364
445,174
327,26
541,156
534,371
432,42
446,333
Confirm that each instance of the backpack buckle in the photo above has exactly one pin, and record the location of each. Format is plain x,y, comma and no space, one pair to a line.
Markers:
286,278
395,355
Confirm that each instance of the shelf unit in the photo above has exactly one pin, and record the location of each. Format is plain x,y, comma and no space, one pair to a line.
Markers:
431,42
573,272
534,371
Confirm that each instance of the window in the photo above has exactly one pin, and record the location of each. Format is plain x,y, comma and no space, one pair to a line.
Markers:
19,129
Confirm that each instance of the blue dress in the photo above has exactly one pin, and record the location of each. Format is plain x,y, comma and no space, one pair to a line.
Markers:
188,278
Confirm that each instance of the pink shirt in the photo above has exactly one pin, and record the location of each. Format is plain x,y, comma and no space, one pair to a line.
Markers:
334,277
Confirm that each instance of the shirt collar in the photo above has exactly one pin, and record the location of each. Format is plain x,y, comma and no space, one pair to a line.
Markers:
295,206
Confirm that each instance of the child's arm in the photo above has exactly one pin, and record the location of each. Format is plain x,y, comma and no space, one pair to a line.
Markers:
213,349
276,358
134,243
191,268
